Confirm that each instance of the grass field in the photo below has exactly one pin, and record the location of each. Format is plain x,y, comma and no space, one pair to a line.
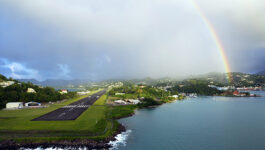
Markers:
95,123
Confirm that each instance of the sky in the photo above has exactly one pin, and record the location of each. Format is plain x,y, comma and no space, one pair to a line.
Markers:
104,39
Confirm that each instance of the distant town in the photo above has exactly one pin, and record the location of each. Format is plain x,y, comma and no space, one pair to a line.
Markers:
132,92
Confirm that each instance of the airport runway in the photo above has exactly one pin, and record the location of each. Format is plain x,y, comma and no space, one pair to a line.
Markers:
71,111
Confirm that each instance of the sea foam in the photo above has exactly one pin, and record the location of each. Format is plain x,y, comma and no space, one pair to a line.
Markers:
120,140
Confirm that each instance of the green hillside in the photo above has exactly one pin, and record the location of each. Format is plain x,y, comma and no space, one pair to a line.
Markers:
17,92
238,79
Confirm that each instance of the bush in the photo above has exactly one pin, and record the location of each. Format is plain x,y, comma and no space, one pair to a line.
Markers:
149,101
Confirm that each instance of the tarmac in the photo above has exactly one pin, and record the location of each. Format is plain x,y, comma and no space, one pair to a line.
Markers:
71,111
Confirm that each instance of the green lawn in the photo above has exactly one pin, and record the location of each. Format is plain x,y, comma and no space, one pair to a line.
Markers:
95,123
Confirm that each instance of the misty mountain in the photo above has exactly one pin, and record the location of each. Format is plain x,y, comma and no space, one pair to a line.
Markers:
238,79
34,81
58,82
261,72
217,78
18,91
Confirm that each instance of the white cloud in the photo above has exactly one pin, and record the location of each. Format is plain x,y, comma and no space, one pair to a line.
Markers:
64,70
19,70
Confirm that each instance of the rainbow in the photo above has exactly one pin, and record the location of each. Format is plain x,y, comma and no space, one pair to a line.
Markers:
216,40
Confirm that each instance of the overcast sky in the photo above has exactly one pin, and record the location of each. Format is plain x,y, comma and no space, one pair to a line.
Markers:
102,39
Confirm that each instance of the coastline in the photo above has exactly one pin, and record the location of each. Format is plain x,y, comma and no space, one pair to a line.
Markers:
65,144
70,144
76,143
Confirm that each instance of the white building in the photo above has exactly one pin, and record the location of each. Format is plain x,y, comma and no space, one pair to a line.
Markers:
64,91
14,105
175,96
83,92
6,83
31,90
32,104
119,93
182,94
134,101
120,102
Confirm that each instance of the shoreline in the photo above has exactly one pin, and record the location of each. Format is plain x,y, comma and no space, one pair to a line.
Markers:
69,144
72,144
65,144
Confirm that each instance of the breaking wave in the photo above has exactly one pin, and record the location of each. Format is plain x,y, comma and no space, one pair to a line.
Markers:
120,140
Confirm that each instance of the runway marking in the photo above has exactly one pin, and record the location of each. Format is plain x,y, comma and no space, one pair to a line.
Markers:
71,111
76,106
62,114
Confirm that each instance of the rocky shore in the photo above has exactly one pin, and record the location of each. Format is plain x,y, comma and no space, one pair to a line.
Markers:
65,144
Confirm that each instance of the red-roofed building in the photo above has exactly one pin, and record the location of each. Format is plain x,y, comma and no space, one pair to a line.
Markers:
236,93
63,91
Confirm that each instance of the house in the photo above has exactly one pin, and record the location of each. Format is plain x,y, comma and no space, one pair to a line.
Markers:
236,93
193,95
141,86
6,83
14,105
134,101
141,98
120,102
119,93
182,94
181,85
32,104
63,91
175,96
31,90
244,94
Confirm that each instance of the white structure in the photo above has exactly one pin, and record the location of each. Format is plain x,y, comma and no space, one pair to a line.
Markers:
64,91
193,95
6,83
14,105
31,90
119,93
175,96
83,93
32,104
134,101
182,94
120,102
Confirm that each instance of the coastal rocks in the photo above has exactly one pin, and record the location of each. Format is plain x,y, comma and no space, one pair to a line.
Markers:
119,130
64,144
89,144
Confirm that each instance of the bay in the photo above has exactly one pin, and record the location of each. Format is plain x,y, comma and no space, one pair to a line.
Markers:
202,123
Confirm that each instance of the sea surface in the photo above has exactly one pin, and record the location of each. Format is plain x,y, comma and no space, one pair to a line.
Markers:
202,123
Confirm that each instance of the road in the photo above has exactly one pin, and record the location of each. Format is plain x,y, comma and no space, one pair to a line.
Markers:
71,111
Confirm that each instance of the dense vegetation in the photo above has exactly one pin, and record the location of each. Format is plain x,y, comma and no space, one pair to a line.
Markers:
137,91
18,93
238,79
150,96
196,86
148,101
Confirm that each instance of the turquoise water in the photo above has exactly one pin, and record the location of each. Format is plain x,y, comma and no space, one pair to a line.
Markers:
203,123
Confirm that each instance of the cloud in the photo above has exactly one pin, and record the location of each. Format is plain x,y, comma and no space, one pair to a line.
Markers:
133,38
18,71
64,68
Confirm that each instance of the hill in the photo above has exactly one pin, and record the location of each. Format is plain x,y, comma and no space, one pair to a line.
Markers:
58,82
261,72
14,91
34,81
238,79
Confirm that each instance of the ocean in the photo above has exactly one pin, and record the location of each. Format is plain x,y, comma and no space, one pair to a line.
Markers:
202,123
